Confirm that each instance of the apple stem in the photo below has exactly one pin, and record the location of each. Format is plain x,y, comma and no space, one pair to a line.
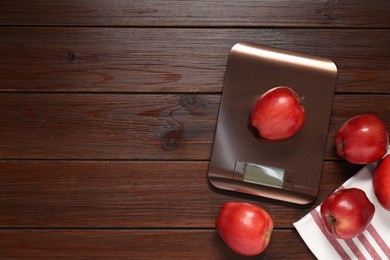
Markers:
301,99
340,148
332,219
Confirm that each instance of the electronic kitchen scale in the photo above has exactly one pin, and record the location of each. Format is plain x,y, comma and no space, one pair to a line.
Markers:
289,169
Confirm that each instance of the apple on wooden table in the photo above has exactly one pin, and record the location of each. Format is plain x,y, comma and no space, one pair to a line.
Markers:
245,228
278,113
362,139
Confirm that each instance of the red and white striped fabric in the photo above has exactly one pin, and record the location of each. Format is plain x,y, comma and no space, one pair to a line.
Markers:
374,243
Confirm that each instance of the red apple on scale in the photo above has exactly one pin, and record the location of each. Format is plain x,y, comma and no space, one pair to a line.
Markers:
245,228
362,139
347,213
381,182
278,113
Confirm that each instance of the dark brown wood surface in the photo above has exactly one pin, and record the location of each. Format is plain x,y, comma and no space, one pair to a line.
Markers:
108,111
174,59
205,13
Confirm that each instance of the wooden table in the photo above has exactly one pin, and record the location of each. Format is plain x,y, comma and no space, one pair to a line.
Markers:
108,111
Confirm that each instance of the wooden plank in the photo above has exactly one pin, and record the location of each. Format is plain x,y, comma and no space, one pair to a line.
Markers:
138,244
131,194
174,60
135,126
196,13
85,126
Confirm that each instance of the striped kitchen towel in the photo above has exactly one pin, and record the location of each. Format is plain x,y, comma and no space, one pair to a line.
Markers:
373,243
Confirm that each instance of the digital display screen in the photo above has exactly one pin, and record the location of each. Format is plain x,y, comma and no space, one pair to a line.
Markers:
264,175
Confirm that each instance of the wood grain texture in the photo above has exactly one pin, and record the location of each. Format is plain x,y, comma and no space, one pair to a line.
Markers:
86,126
174,60
108,111
131,194
134,126
330,13
138,244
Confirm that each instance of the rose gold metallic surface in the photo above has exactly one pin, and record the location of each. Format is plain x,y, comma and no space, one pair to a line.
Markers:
289,169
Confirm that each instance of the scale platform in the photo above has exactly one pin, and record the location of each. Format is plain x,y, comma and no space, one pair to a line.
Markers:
241,161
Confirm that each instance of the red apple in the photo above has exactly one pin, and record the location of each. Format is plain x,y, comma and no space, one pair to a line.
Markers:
347,213
381,182
362,139
278,113
245,228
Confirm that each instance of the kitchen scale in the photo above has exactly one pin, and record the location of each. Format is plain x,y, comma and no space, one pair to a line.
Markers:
241,160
